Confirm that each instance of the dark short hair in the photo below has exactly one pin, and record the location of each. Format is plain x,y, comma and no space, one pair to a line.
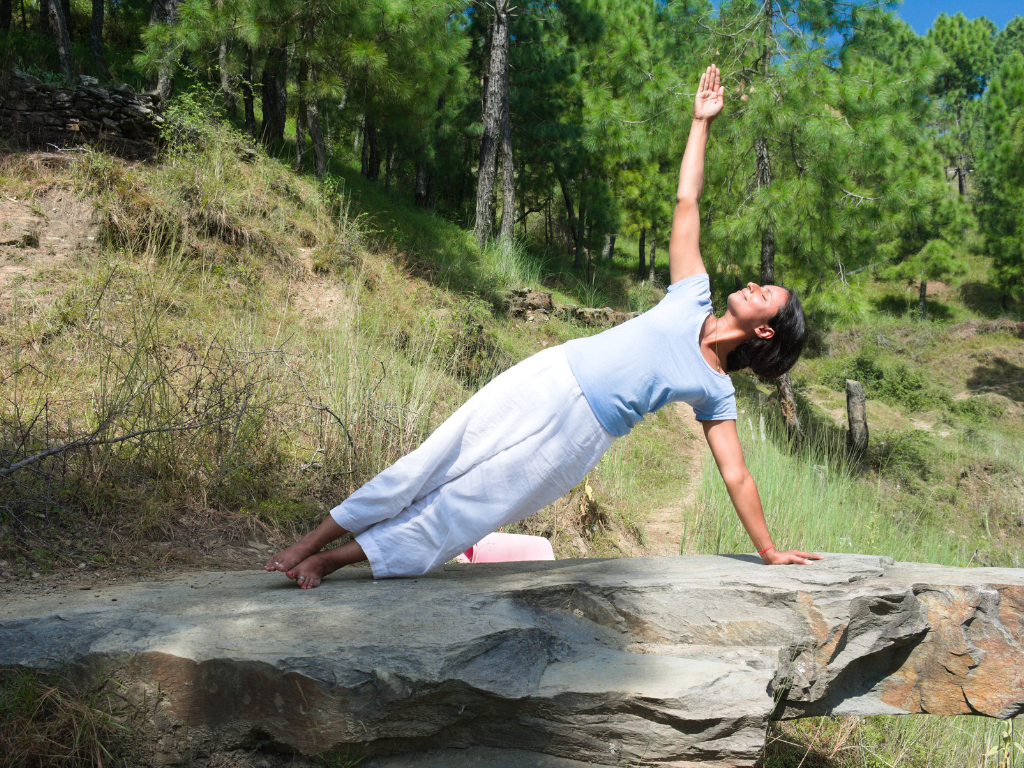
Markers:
770,358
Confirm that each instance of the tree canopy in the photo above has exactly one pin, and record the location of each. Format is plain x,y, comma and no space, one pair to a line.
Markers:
843,130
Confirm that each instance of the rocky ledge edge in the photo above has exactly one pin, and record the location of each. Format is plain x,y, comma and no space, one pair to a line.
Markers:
679,661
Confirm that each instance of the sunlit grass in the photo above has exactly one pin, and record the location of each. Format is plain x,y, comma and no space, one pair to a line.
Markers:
813,499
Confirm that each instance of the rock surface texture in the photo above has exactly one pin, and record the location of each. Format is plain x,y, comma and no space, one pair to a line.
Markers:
678,660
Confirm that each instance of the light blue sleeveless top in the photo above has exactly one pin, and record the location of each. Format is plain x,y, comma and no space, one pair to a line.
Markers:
654,359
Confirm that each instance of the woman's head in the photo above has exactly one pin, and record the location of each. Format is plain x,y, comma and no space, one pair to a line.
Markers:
776,321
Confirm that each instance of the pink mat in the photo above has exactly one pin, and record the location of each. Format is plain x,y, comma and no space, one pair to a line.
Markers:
506,548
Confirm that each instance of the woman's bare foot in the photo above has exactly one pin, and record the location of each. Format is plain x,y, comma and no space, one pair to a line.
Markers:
308,545
287,559
311,571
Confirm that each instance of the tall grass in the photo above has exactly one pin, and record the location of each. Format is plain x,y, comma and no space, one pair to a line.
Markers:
512,265
175,375
813,499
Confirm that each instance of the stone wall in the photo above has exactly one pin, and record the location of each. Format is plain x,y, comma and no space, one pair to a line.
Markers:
539,306
49,116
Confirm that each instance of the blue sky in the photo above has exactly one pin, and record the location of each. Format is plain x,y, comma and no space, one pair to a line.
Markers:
920,14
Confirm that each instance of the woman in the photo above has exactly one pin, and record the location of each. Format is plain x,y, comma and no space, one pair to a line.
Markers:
535,431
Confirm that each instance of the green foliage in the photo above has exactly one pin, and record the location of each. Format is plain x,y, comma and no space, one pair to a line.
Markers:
895,383
905,455
967,46
936,261
1009,39
191,121
1001,186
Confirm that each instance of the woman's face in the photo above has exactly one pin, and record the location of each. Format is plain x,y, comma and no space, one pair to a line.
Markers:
755,305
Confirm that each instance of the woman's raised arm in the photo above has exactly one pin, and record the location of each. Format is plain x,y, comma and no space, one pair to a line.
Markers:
725,447
684,245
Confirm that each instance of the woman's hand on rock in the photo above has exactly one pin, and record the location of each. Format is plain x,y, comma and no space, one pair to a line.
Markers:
789,557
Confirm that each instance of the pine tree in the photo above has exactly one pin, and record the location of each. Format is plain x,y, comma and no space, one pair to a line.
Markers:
1000,202
969,50
800,174
96,39
60,32
493,100
935,261
1009,39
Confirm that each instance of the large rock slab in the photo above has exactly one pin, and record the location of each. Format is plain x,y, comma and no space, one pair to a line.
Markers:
679,660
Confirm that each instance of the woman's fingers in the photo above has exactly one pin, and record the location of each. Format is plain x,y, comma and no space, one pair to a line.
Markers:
794,556
810,555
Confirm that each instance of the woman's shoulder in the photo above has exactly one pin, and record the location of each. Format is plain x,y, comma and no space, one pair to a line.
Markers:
695,286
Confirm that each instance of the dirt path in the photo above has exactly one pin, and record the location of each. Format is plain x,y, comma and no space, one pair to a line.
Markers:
37,234
664,527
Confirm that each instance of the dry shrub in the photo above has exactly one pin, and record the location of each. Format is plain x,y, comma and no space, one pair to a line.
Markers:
43,725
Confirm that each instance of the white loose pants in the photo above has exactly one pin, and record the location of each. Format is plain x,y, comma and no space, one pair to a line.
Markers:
518,444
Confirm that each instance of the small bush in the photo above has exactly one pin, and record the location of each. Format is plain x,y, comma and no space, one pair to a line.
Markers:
904,455
893,382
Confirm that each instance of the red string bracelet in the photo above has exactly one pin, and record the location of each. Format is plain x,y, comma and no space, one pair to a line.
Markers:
770,546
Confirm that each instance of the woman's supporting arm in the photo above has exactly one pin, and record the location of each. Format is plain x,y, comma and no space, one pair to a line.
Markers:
684,244
725,447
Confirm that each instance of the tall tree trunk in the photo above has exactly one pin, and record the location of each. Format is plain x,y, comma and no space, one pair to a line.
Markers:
570,208
230,102
547,223
302,117
787,400
508,183
60,33
609,248
961,162
581,221
308,118
764,180
69,23
44,18
654,245
432,189
164,12
641,270
247,96
425,173
389,155
422,174
496,75
371,150
316,137
275,96
922,299
6,13
787,404
96,39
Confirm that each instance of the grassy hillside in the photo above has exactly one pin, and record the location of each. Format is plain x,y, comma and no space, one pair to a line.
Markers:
203,355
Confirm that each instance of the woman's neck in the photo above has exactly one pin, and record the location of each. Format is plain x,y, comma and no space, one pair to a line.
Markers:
719,337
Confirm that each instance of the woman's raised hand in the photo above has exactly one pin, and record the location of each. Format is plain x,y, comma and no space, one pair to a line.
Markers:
790,556
710,98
